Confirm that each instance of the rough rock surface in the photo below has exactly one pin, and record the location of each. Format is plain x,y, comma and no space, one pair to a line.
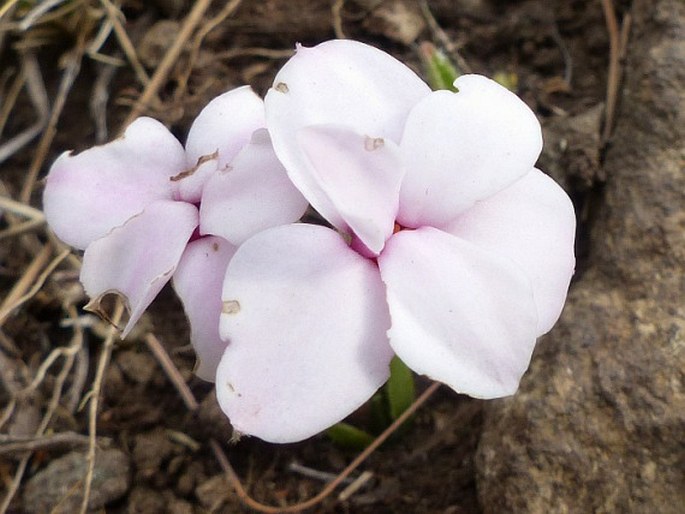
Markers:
599,422
57,488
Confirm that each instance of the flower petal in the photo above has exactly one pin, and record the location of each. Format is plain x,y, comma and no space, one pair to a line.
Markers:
532,222
136,259
462,147
460,314
307,321
359,175
338,82
224,127
252,194
198,281
88,194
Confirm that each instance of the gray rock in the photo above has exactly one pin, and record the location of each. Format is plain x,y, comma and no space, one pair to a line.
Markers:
59,487
599,422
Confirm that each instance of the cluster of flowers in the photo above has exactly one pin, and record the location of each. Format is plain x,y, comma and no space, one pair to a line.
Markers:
442,243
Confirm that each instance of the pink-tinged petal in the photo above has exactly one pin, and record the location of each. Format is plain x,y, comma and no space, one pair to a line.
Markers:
251,194
88,194
225,125
532,222
189,184
307,319
136,259
359,175
460,314
198,280
463,147
338,82
218,133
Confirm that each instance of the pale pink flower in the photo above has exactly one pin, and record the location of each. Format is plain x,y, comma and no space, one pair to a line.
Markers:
145,209
450,250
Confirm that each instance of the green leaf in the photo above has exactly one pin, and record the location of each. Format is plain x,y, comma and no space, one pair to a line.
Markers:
399,388
441,72
349,436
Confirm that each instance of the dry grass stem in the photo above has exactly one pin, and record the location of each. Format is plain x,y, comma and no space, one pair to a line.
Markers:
14,444
21,228
39,10
98,101
171,371
22,285
115,16
5,311
68,351
336,13
10,99
355,486
21,209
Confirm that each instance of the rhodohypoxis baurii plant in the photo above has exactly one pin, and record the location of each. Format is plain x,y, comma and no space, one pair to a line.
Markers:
448,247
145,209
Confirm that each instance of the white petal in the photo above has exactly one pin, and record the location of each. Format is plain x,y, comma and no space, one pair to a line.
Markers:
198,280
338,82
359,175
138,258
307,321
251,194
88,194
462,147
532,222
223,127
460,315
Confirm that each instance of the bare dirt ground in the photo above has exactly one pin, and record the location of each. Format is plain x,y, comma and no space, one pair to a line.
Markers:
69,78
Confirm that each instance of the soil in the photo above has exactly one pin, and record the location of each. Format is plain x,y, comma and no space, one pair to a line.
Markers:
555,51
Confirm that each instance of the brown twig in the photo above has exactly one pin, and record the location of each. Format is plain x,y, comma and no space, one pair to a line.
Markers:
331,486
171,371
164,68
614,73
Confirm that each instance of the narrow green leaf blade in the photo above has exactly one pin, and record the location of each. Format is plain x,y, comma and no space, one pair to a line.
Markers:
440,71
349,436
400,388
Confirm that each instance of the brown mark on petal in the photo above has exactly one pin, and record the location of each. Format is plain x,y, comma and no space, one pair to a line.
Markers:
281,87
95,306
203,159
373,143
230,387
230,307
215,246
